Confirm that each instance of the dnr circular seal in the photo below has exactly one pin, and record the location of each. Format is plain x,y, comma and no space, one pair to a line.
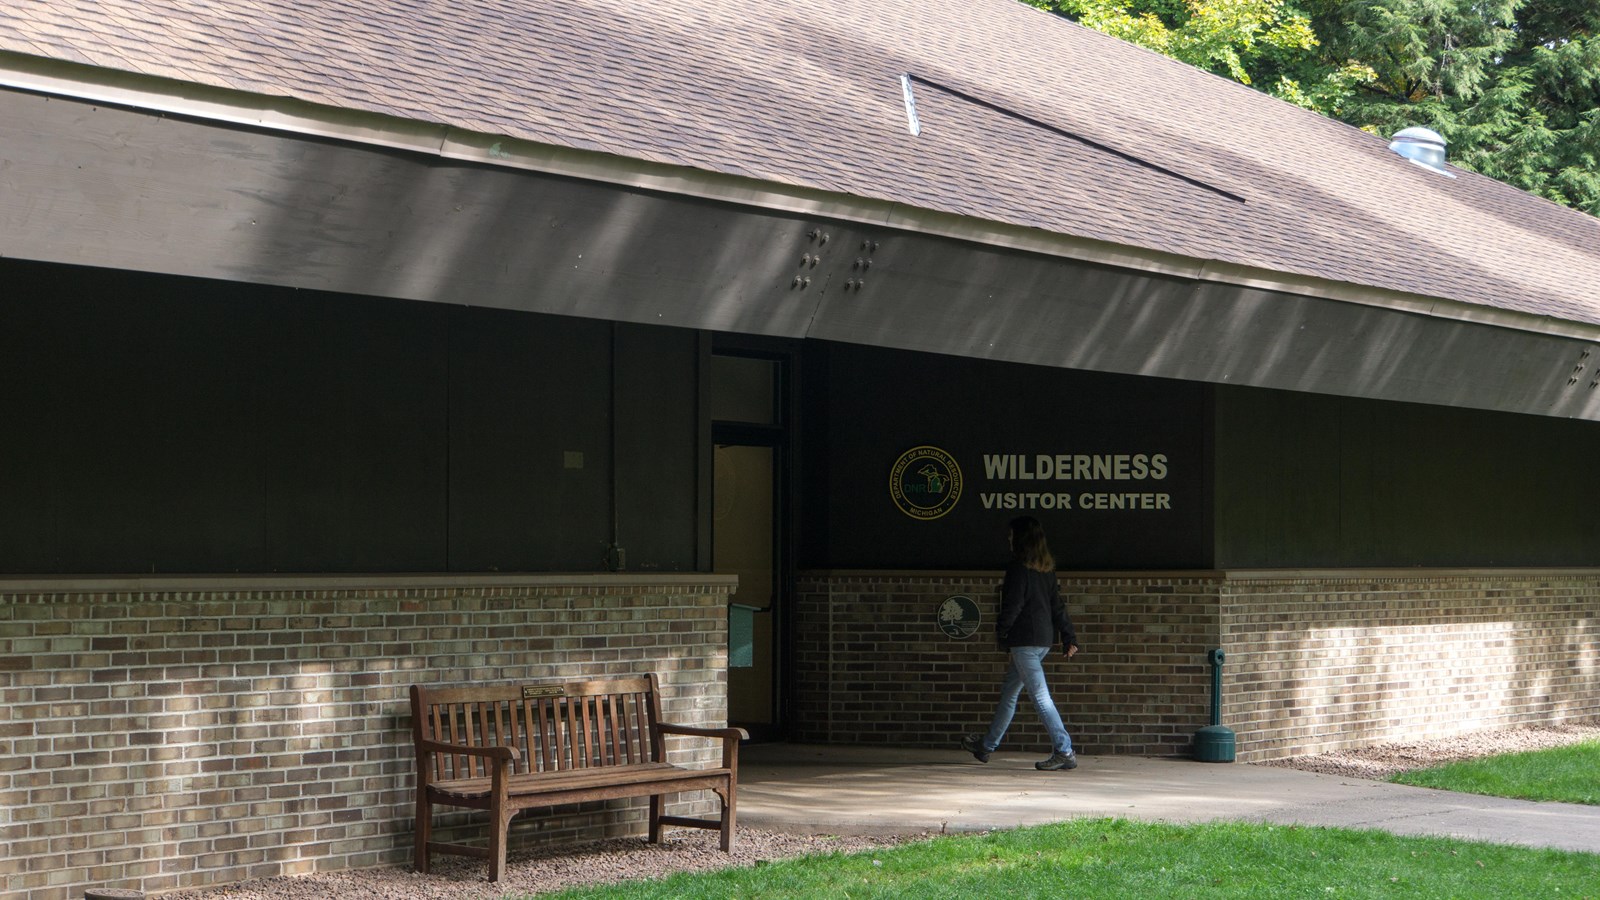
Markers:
925,482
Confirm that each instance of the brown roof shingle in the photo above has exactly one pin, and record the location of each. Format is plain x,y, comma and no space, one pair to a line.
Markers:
809,94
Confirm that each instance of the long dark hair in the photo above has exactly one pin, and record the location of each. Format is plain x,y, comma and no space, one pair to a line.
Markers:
1028,545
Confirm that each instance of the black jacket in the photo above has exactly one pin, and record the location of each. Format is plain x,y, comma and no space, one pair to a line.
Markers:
1031,611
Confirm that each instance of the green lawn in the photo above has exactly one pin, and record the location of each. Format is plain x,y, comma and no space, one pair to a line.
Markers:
1125,860
1569,774
1117,858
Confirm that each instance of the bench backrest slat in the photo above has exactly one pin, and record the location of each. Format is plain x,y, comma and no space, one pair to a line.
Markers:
527,711
479,713
553,726
619,731
504,734
442,729
587,727
546,751
561,730
639,729
638,741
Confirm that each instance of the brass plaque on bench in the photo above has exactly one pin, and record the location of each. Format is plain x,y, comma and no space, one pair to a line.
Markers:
529,692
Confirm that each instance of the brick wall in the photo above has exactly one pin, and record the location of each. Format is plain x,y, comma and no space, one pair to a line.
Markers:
1325,661
167,733
1314,661
873,665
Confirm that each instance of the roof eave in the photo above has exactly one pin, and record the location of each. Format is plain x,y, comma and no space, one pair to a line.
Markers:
295,116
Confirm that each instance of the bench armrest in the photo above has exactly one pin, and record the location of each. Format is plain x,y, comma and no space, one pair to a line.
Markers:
738,734
499,751
730,738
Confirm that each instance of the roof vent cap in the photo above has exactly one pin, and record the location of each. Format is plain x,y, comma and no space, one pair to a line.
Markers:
1422,146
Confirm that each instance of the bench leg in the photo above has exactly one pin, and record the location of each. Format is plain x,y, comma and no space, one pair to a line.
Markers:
728,813
419,859
655,818
500,823
500,813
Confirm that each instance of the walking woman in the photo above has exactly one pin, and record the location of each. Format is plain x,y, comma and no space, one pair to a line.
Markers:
1032,618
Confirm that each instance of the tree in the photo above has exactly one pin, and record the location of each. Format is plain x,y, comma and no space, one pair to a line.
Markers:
1512,85
1261,43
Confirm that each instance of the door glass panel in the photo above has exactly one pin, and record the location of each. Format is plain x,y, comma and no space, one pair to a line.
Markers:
742,545
744,390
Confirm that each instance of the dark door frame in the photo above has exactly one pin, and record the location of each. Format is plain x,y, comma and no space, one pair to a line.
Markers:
782,438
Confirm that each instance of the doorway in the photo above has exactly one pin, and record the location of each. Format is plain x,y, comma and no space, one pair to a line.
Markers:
749,534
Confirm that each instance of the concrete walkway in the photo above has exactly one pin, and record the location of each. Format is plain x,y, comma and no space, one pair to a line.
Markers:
859,790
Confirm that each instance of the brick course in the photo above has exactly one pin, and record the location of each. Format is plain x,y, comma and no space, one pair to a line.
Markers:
1314,661
161,734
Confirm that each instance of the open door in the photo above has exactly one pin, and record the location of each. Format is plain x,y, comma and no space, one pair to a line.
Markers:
744,544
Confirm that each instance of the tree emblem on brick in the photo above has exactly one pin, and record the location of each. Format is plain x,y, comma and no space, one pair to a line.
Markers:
959,617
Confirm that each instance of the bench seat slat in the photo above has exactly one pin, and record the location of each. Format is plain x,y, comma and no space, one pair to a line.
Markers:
548,782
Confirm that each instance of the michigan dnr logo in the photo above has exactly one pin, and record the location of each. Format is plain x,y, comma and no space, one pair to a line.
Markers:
925,482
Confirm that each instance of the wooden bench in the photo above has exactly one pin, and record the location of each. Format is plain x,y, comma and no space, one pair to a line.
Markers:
509,747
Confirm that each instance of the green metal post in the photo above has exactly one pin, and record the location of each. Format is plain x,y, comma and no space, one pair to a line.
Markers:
1215,743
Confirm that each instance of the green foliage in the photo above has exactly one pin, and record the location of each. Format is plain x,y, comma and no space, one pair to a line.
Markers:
1512,85
1116,858
1239,39
1568,774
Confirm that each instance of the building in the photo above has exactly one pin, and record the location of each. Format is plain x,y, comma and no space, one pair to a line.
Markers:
344,347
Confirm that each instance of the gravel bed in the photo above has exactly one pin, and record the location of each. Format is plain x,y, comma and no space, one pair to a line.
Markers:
1383,760
687,850
551,869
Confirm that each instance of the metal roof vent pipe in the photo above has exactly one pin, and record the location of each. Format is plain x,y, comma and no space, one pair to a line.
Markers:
1422,146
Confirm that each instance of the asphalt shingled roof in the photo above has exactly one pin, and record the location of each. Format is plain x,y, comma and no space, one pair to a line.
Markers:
1026,119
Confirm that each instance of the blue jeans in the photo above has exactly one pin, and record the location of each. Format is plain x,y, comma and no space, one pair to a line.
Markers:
1026,672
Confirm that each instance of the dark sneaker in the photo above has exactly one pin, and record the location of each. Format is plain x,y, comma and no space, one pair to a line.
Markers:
1058,760
973,743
